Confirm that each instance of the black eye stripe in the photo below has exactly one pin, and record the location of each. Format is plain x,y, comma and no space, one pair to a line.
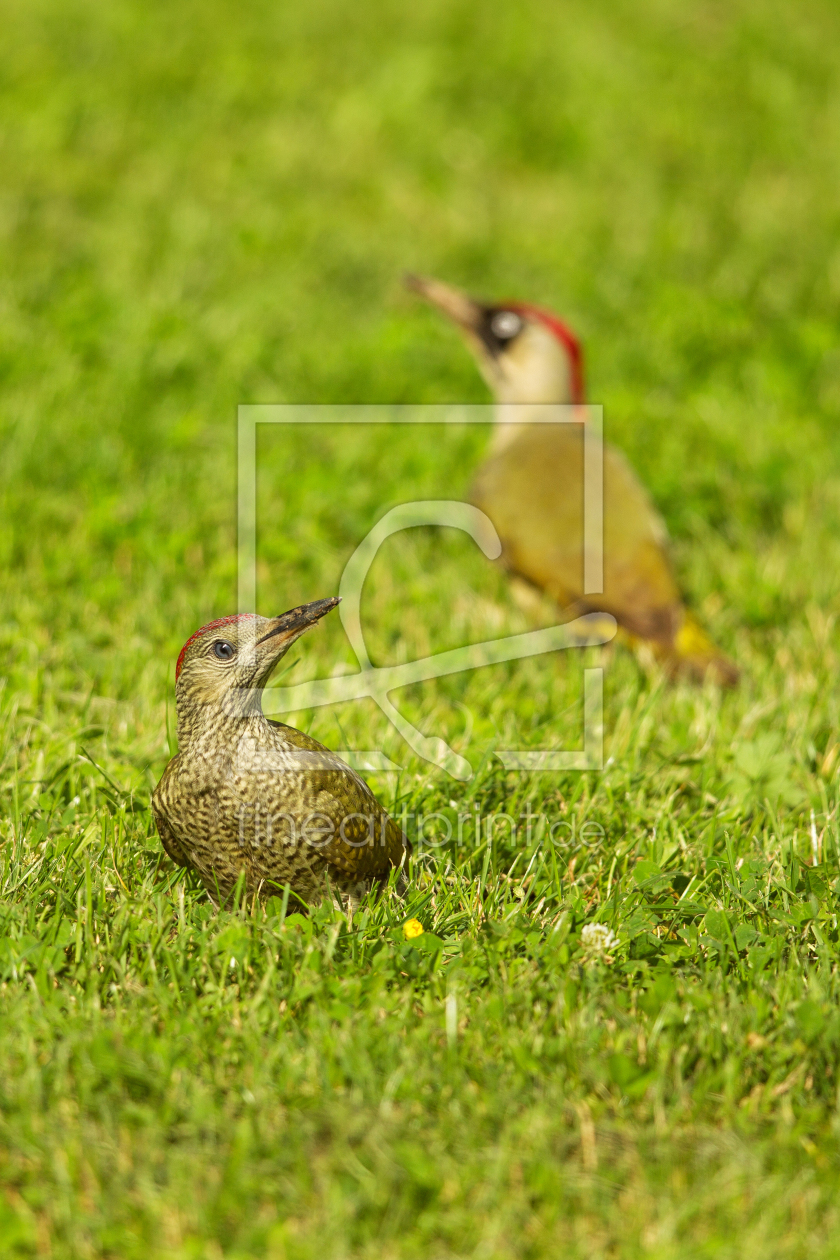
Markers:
499,327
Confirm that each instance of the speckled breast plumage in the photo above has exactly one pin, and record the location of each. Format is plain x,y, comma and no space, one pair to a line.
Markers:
275,805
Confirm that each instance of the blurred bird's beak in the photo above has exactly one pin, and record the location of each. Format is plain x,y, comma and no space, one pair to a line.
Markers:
460,308
291,625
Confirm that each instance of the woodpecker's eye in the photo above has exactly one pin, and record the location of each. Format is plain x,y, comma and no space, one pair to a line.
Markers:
505,325
224,651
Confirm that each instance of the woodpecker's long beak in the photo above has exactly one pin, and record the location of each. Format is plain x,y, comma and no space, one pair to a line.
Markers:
460,308
291,625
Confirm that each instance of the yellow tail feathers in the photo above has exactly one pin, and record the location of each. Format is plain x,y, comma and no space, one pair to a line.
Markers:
694,652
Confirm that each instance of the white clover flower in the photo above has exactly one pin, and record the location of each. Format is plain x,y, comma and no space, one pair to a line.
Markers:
596,938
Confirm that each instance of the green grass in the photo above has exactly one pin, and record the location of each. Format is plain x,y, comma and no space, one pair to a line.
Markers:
203,205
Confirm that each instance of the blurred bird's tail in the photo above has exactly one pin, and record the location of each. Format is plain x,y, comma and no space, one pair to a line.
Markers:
693,653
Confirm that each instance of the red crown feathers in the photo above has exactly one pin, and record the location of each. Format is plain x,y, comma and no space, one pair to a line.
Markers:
211,625
564,335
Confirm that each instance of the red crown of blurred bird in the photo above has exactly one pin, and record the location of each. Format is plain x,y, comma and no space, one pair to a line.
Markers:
531,485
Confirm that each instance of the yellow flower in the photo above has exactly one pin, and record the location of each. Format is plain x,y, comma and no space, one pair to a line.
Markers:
412,928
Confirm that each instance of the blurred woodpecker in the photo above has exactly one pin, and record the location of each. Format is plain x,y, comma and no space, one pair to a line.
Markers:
531,485
249,796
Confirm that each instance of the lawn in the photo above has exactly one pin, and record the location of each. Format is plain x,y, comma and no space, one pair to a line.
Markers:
210,204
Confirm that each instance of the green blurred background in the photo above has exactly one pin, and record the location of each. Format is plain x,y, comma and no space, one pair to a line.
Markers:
210,204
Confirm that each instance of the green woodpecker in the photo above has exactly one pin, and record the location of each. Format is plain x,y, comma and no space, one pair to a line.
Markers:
249,796
531,485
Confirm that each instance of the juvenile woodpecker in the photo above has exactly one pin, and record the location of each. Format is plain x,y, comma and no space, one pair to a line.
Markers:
247,795
531,485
